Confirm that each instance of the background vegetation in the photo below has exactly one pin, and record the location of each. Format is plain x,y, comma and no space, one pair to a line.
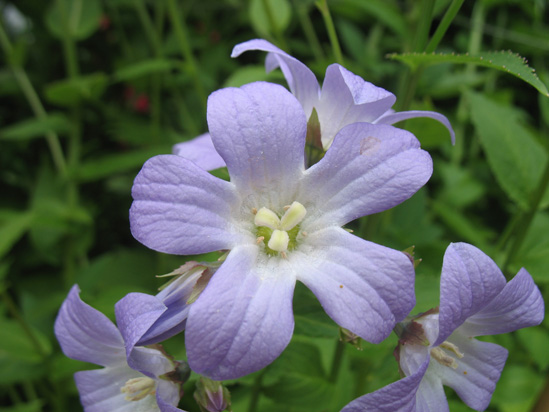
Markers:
90,89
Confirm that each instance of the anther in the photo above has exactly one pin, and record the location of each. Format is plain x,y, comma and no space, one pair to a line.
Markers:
254,210
260,239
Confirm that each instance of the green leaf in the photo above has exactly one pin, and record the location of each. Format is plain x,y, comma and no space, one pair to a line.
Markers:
248,74
70,92
536,340
143,68
506,61
269,17
78,19
14,224
17,345
518,388
33,127
33,406
514,155
303,384
310,319
383,11
110,164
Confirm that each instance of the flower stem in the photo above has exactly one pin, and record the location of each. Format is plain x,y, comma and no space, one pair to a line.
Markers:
308,30
444,25
256,392
339,351
522,228
178,23
332,34
274,27
34,101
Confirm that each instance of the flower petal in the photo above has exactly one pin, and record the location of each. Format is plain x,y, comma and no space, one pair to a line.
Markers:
517,306
477,373
430,396
86,334
369,168
364,287
259,130
243,319
301,80
346,98
181,209
100,391
399,396
201,151
470,280
392,118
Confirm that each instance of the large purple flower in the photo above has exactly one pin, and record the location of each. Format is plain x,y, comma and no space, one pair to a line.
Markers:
437,348
344,98
132,377
281,223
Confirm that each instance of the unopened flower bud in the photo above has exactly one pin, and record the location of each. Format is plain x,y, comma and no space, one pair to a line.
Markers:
212,396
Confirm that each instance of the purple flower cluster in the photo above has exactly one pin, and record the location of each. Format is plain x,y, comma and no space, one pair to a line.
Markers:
279,222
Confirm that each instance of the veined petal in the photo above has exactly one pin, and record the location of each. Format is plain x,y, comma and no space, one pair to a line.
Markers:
399,396
86,334
200,151
369,168
259,130
301,80
100,391
392,118
150,362
362,286
477,372
470,280
346,98
430,396
517,306
243,319
181,209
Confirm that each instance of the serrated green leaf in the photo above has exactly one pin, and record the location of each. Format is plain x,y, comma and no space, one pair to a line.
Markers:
303,384
505,61
143,68
76,18
269,16
33,127
70,92
514,155
110,164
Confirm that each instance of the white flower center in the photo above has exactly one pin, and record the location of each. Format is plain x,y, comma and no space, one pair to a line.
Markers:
279,234
138,388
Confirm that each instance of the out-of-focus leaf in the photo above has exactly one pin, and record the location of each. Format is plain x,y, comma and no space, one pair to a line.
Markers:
13,226
14,370
270,16
71,92
386,12
460,188
503,60
304,383
248,74
536,340
143,68
534,252
16,344
515,156
34,127
518,388
78,19
310,318
33,406
110,164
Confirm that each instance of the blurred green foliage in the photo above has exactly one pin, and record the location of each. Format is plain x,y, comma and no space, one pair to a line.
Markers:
90,89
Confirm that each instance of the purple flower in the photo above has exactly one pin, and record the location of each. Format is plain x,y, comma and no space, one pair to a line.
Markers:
281,223
132,377
344,98
437,348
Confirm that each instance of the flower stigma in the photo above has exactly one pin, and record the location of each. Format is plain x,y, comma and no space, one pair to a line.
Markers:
138,388
279,234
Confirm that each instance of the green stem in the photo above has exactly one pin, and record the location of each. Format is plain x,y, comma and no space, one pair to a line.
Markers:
339,351
528,217
147,24
178,22
256,392
309,31
69,46
444,25
34,101
332,34
274,27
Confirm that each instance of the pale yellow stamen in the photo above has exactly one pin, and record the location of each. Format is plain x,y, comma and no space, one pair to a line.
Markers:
451,347
266,217
138,388
279,241
443,358
293,216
